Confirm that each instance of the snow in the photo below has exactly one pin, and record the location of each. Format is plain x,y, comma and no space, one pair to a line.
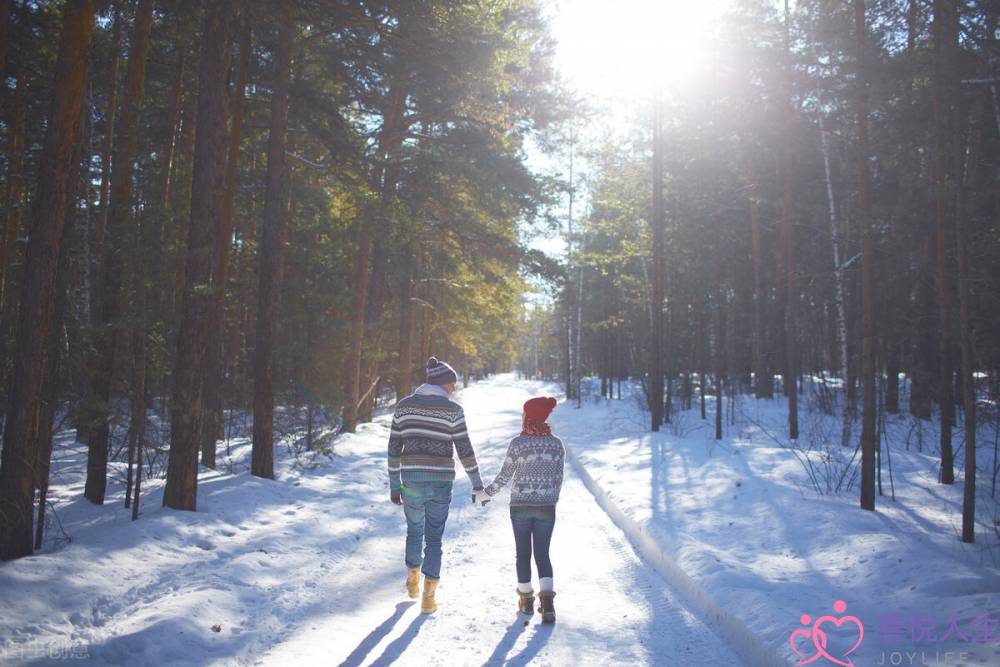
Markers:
741,519
669,549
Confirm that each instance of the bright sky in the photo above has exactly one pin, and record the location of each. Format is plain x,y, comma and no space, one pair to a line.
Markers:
619,50
614,53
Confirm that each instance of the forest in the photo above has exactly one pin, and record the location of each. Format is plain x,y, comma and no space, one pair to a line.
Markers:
220,204
268,206
814,216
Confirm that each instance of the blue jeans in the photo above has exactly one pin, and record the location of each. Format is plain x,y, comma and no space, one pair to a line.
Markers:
532,533
426,506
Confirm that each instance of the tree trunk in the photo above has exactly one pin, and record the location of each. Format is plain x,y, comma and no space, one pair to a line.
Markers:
788,243
657,296
404,366
215,366
96,261
840,295
162,217
720,365
945,99
208,184
137,397
13,203
115,243
53,364
763,380
373,327
270,267
967,190
391,137
20,437
4,34
868,433
110,114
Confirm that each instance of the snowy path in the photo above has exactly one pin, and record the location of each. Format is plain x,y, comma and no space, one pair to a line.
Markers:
612,609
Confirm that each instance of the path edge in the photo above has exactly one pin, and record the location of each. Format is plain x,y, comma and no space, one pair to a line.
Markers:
729,628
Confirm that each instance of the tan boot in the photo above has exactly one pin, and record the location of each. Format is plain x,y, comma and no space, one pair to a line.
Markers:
413,581
546,606
429,604
526,603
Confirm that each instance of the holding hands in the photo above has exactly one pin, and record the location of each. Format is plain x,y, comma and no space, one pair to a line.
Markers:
480,497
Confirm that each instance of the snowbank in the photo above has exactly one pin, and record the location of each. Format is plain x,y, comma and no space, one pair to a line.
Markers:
742,522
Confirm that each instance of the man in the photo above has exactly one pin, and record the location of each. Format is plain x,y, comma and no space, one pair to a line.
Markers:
427,428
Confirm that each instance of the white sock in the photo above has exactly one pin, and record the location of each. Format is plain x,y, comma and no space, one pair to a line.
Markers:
545,584
524,588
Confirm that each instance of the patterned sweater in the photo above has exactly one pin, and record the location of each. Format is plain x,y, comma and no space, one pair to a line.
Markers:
427,428
535,463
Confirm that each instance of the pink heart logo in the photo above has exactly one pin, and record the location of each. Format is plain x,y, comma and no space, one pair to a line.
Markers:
801,632
819,637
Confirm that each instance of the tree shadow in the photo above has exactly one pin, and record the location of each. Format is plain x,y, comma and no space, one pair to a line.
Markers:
394,651
375,636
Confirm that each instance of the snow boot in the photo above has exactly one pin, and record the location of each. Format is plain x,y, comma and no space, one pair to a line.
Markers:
429,604
413,581
526,603
546,608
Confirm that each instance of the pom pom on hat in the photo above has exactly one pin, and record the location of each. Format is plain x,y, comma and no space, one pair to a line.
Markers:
440,373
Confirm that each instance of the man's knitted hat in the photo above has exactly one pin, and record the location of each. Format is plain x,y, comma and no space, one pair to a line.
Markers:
440,373
539,409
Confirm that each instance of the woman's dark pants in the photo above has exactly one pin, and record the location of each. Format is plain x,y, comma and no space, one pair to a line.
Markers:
533,533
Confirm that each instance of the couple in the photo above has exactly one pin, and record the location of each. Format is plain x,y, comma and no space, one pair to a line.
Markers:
427,428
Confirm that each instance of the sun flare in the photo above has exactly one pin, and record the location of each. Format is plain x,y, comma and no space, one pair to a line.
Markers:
623,49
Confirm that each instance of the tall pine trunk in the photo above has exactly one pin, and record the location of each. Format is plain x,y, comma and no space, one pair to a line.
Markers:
13,203
162,217
655,346
208,183
791,352
840,293
269,273
390,138
945,94
110,114
763,379
54,362
968,188
868,433
115,245
215,366
20,437
404,365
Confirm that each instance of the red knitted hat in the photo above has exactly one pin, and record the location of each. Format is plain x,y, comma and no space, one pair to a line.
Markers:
539,409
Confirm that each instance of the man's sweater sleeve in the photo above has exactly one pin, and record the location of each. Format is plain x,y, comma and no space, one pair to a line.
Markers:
395,454
463,446
507,470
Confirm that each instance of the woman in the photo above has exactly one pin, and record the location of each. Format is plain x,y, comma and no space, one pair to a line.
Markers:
534,466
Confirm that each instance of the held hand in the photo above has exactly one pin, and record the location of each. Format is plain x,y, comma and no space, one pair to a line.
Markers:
395,497
480,497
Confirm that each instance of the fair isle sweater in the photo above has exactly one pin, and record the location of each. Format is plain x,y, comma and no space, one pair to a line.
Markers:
427,428
535,464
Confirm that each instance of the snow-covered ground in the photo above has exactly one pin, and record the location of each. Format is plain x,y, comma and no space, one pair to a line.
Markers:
307,570
742,519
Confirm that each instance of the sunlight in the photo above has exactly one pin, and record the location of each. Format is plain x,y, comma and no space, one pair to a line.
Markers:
624,49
